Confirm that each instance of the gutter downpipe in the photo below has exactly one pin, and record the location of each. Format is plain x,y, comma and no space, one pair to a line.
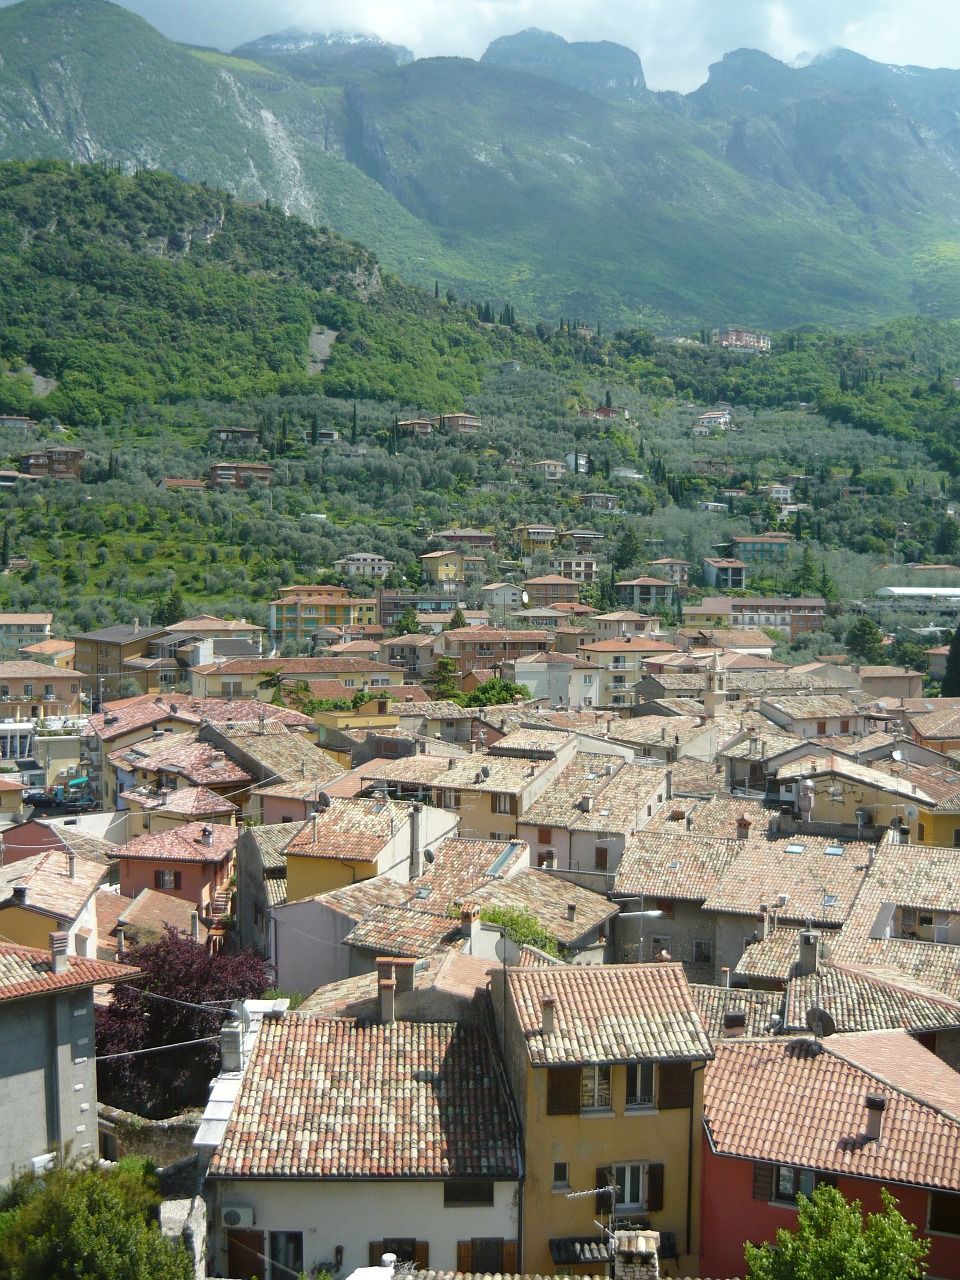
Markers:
693,1083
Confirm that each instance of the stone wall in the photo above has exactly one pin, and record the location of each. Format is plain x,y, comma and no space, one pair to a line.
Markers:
163,1141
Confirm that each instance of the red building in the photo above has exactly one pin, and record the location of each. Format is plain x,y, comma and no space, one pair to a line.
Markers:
862,1112
193,862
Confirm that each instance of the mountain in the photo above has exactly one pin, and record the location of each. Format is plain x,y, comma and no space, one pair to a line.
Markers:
545,175
599,67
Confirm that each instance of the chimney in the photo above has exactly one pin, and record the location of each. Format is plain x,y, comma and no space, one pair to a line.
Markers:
231,1045
19,895
206,836
549,859
72,865
58,952
416,840
876,1105
763,920
571,911
734,1024
120,941
668,793
387,1000
136,626
725,976
548,1015
586,803
809,959
195,925
403,967
469,920
743,827
451,763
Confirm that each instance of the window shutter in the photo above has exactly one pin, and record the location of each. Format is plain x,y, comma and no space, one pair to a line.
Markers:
510,1257
827,1179
654,1187
376,1252
675,1085
563,1091
513,806
177,880
604,1201
464,1256
763,1182
493,802
421,1255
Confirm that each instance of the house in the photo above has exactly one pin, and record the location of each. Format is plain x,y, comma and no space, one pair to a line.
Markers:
479,648
363,564
428,1143
459,424
726,574
534,538
52,891
48,1078
206,626
583,540
815,716
549,469
19,629
38,690
59,462
605,1064
793,616
506,597
58,653
645,593
301,611
413,654
479,539
601,501
860,1112
450,570
560,679
102,654
192,861
578,464
238,435
392,605
582,569
712,421
618,624
416,426
738,339
619,664
550,589
768,548
239,475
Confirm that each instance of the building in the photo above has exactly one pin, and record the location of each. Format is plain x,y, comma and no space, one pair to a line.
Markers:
479,539
582,569
48,1078
37,690
240,475
459,424
192,861
300,612
560,679
482,648
19,629
726,574
392,605
738,339
601,501
712,421
534,538
58,462
860,1112
549,469
605,1064
769,548
793,616
363,564
645,593
102,655
502,597
426,1141
815,716
450,570
551,589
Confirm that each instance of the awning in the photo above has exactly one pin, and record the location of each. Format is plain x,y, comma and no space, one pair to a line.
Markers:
78,782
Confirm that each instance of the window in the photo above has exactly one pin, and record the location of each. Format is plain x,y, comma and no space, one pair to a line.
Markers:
405,1248
286,1254
821,728
787,1182
945,1212
600,858
595,1088
844,726
563,1091
630,1181
921,832
468,1191
544,835
561,1174
640,1084
501,803
28,690
658,943
702,951
163,878
451,800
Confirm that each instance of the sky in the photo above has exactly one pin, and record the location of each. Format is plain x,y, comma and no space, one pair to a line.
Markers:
676,39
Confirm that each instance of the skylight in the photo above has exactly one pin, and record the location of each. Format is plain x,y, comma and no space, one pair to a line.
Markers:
829,899
796,848
834,850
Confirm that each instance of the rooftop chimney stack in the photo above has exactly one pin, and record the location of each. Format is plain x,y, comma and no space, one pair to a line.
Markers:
743,827
470,922
120,941
403,967
809,959
231,1045
72,865
734,1024
206,836
571,911
58,952
416,840
548,1015
195,925
876,1105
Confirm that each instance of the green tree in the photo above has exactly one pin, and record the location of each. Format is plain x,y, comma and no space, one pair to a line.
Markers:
443,680
458,620
950,688
629,550
832,1241
864,640
87,1222
171,610
805,576
274,681
495,693
408,624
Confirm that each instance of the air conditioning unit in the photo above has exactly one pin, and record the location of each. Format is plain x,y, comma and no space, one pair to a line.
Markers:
237,1215
41,1164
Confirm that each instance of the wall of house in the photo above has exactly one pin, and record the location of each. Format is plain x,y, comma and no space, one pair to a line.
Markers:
730,1216
26,928
199,880
730,932
354,1213
48,1084
307,945
306,877
681,926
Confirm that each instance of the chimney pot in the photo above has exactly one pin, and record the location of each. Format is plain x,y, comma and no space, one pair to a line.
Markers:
403,967
58,951
809,959
387,992
876,1105
734,1024
571,911
548,1011
72,865
120,941
206,836
195,925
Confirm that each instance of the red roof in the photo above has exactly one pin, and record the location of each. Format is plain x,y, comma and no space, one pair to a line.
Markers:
28,971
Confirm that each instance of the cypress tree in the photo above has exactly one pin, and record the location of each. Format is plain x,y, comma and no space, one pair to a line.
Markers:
353,428
950,688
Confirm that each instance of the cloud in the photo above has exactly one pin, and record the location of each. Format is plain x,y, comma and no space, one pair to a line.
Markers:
676,39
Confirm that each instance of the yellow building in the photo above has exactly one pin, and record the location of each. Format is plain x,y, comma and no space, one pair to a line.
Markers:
835,789
450,569
51,892
535,537
606,1064
489,793
301,611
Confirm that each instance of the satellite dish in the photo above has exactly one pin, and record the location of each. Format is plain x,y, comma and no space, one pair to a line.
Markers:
911,812
238,1011
502,949
429,857
820,1022
525,599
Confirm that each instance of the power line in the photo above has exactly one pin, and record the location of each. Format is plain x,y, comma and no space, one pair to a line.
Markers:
159,1048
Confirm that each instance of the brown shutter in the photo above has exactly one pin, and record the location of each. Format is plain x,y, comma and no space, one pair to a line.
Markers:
563,1091
513,806
675,1085
464,1256
510,1257
376,1252
654,1187
493,802
604,1200
158,879
421,1255
177,881
763,1181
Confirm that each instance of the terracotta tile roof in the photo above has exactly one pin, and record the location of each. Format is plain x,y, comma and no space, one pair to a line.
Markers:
532,740
861,1000
436,710
812,706
549,899
462,866
714,1003
558,805
183,844
50,888
292,668
272,841
52,647
122,717
620,807
504,774
410,769
447,971
354,830
404,931
609,1013
715,816
26,670
697,777
681,866
279,755
356,900
330,1098
774,956
147,916
201,763
802,1102
28,971
198,801
534,958
654,730
760,746
818,885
